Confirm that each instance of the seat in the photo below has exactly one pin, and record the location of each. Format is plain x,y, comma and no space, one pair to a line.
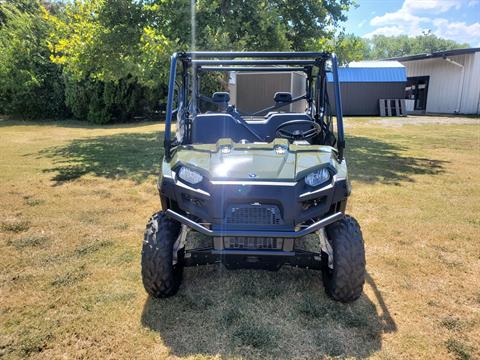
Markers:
282,98
208,128
221,97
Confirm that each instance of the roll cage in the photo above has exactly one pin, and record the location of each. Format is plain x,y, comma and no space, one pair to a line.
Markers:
193,64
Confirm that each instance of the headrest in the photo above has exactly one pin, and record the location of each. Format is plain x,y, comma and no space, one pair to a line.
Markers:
221,97
282,97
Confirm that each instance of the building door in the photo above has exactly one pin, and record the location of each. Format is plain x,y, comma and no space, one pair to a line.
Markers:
417,90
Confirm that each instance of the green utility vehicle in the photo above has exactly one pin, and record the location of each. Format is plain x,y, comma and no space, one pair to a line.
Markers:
255,183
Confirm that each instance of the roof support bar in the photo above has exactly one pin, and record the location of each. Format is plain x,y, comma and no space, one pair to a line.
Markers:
338,107
255,54
255,62
269,69
171,91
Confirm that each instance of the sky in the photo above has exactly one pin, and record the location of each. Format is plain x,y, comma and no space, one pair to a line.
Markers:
457,20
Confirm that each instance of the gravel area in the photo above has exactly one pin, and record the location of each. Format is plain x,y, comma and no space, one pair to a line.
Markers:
424,120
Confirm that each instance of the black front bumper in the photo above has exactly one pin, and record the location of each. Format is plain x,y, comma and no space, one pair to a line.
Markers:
251,258
290,204
255,233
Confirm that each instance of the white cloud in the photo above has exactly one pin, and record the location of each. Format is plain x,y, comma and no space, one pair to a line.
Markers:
361,23
386,30
403,20
458,31
414,17
437,6
408,12
400,16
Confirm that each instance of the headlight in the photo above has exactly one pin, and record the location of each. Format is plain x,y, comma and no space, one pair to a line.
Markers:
190,176
317,177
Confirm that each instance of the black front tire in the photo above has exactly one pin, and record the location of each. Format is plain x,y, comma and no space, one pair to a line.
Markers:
160,277
345,281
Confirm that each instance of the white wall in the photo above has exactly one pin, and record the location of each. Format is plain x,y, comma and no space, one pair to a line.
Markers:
446,83
471,90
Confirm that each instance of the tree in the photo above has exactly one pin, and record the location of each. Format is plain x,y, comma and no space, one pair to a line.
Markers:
309,20
240,25
110,46
350,48
248,24
384,47
112,57
30,85
100,39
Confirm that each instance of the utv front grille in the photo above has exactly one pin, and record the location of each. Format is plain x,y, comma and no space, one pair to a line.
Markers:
253,243
253,215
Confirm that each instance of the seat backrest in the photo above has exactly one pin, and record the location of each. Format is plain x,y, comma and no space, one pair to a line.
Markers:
208,128
221,97
282,97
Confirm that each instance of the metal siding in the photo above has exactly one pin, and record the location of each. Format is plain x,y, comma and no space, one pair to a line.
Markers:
445,83
298,89
232,88
255,91
471,85
361,99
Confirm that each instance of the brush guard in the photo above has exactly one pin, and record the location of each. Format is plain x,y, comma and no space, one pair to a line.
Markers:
254,254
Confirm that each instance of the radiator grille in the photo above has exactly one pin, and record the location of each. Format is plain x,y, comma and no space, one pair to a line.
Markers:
253,215
253,243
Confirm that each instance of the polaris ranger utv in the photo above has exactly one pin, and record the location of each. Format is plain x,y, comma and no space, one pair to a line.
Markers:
255,183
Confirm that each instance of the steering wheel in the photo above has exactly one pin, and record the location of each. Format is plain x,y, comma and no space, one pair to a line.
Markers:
293,135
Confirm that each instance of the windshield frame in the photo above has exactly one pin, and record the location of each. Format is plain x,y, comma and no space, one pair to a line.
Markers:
313,64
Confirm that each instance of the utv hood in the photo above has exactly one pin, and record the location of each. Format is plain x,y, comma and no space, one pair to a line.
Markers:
278,160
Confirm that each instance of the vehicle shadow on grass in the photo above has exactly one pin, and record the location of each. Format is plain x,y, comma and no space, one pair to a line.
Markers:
371,160
136,156
260,314
133,156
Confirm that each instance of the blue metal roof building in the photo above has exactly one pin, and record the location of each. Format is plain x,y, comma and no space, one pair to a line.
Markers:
364,83
348,74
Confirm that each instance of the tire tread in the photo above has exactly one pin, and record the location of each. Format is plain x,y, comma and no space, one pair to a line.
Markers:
345,282
160,277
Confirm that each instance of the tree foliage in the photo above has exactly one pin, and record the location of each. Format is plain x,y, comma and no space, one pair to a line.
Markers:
384,47
350,48
30,84
111,56
122,47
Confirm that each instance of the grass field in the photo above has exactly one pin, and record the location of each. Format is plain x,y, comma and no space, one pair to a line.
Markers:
74,201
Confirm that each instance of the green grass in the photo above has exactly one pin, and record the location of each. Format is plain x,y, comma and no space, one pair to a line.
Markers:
75,199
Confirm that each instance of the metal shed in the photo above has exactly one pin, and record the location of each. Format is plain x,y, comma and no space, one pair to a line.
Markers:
445,82
364,83
251,91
